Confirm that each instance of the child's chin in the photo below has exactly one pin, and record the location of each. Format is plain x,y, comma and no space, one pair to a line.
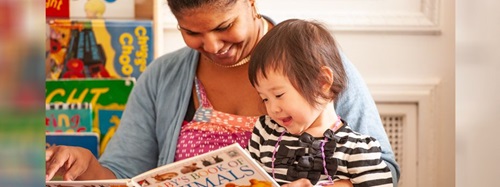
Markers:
294,132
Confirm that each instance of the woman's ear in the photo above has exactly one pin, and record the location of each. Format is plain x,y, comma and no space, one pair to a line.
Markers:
326,78
255,12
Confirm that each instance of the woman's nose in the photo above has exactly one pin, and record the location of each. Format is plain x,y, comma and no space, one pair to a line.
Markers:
212,44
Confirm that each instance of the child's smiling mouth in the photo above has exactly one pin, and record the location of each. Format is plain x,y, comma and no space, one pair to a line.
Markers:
286,121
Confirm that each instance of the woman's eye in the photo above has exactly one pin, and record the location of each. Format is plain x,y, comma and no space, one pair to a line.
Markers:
191,33
264,100
279,95
224,28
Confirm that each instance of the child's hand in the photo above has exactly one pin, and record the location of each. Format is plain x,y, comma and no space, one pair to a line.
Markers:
339,183
306,183
299,183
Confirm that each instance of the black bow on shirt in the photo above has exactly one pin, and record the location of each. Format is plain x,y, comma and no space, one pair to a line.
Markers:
307,161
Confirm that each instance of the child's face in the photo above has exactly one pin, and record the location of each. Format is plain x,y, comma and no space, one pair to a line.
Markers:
285,105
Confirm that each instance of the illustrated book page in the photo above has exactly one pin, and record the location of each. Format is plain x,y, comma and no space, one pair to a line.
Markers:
90,183
230,166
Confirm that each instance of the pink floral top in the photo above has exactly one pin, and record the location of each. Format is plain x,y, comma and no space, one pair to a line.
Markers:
211,129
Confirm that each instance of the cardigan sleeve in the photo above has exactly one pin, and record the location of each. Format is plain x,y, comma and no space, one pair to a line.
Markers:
133,149
149,128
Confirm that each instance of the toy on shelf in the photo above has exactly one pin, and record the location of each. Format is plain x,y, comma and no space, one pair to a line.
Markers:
98,48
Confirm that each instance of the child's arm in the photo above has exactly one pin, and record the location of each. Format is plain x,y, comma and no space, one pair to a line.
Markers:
365,165
256,140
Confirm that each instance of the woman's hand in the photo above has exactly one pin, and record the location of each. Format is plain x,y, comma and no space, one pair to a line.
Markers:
73,163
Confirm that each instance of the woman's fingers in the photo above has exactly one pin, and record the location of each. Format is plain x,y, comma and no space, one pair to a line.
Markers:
72,173
70,162
75,169
48,154
55,160
63,160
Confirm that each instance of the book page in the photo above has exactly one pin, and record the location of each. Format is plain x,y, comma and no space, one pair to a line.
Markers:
89,183
230,166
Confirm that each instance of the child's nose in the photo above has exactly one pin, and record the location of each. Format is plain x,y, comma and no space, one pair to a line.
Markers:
275,107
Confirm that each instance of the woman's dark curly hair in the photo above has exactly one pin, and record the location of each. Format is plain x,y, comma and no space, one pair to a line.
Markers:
178,6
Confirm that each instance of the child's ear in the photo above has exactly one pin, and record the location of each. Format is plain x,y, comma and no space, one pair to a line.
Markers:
326,78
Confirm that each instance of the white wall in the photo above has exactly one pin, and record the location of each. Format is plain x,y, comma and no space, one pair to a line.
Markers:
416,59
405,58
478,103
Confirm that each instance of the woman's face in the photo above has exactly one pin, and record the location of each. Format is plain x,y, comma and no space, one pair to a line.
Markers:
224,35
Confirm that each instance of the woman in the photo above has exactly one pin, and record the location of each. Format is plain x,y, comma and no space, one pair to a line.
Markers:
201,94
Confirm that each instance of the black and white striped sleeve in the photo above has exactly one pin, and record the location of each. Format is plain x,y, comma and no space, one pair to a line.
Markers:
256,139
365,165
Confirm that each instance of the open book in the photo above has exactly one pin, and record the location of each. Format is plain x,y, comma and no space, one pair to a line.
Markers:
229,166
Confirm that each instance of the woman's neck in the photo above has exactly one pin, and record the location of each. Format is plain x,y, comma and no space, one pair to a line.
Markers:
262,27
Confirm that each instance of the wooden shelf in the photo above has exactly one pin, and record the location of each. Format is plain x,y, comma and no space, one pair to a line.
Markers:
144,9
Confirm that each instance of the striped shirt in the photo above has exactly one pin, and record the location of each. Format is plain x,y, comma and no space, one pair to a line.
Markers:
358,157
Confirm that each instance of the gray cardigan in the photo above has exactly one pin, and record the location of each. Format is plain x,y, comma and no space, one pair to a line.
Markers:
147,135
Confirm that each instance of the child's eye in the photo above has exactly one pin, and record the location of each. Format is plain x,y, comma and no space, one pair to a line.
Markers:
279,95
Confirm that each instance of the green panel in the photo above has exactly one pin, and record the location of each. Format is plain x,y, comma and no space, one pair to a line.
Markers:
102,92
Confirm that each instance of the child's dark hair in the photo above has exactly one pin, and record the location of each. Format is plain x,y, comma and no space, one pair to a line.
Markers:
299,49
